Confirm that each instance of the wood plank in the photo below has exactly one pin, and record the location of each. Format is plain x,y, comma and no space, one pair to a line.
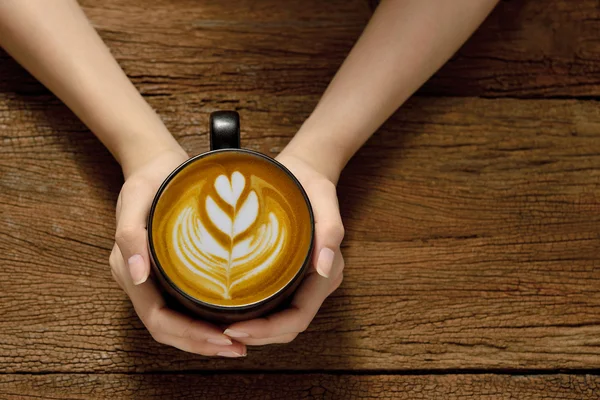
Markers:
473,229
526,48
206,47
313,386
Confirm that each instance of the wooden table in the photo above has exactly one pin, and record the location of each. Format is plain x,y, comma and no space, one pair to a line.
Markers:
472,216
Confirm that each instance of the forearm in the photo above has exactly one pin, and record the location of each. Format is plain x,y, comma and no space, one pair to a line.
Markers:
405,42
55,42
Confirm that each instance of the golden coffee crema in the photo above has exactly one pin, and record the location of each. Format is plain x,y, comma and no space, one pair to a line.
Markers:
231,229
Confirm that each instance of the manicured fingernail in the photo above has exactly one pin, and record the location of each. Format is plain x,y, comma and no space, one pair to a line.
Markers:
136,269
235,334
220,341
230,354
325,262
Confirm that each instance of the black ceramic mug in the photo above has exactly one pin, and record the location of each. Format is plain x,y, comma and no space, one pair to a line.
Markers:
230,231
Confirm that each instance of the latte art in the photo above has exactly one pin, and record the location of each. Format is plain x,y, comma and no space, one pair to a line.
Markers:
231,229
228,264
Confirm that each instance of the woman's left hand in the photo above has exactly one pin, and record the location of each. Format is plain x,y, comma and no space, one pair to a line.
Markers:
325,274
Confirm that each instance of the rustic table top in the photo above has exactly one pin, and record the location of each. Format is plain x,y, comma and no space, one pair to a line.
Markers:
472,216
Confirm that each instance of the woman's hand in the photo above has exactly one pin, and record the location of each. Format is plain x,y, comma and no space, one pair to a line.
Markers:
325,274
130,264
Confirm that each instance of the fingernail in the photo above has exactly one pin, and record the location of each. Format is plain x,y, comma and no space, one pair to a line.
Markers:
325,262
136,269
230,354
220,341
235,334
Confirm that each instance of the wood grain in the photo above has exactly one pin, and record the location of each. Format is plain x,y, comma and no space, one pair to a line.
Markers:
204,47
526,48
313,386
473,225
473,229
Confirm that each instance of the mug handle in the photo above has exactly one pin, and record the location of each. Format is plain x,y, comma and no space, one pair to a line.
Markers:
224,130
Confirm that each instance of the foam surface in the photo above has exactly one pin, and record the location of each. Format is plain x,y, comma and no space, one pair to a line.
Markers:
231,229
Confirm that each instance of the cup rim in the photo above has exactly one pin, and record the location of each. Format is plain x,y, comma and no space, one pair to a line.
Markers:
218,307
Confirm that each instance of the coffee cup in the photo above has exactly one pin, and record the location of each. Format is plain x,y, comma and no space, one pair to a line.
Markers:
230,231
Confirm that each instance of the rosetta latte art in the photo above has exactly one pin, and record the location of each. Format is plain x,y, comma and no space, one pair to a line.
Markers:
230,229
246,244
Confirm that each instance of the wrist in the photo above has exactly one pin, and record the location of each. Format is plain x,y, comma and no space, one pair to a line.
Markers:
320,149
141,150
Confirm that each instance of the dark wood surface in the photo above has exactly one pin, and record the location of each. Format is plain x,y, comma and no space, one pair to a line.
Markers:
312,386
528,48
473,224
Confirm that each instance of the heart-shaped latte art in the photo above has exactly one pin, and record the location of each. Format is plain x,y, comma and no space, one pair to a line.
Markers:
251,247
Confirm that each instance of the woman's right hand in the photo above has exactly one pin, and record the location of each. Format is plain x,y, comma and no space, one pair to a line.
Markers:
130,264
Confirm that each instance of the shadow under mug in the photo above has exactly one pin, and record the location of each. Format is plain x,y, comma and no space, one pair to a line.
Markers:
225,137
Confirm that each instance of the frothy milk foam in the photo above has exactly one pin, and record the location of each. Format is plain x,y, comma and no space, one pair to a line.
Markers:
231,229
206,257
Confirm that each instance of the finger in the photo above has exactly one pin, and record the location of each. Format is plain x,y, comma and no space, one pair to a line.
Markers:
296,318
307,301
134,201
158,318
201,347
329,230
287,338
113,260
163,322
336,283
118,208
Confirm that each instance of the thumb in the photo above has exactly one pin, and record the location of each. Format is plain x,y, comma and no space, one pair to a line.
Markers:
131,234
329,230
